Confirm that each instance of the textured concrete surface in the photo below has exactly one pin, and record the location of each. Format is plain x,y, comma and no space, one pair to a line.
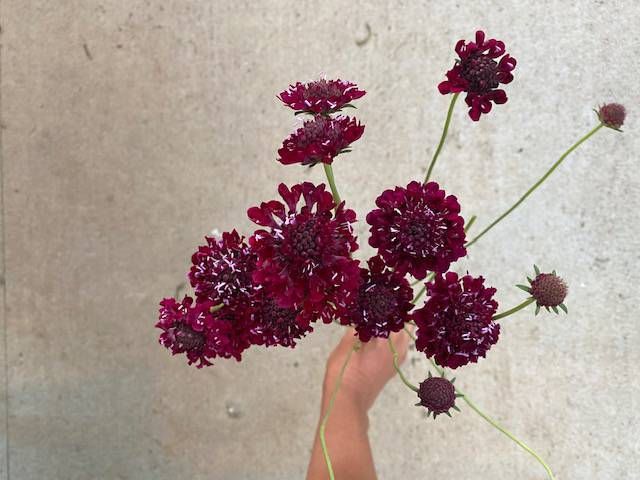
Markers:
131,129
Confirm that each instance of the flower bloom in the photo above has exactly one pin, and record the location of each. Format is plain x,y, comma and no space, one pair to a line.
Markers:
304,254
479,73
437,395
321,96
612,115
455,325
221,271
275,325
417,229
549,290
383,302
320,140
187,329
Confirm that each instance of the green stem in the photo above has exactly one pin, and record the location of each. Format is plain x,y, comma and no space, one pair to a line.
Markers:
442,137
491,421
537,184
328,170
520,443
397,367
332,399
470,223
524,304
424,288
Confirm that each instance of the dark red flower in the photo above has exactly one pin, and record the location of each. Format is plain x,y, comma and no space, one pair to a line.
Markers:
549,290
417,229
304,255
321,96
320,140
383,302
612,115
221,271
188,328
479,74
275,325
437,395
456,325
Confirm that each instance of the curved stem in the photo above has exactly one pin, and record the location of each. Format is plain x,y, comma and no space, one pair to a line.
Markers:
332,399
524,304
537,184
442,137
520,443
470,223
397,367
424,288
328,170
491,421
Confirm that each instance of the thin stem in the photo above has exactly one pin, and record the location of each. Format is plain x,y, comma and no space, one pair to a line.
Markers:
524,304
537,184
397,367
424,288
491,421
470,223
442,137
332,399
520,443
328,170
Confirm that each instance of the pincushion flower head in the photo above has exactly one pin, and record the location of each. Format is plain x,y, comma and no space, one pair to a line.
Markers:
383,302
483,65
437,395
417,229
321,96
612,115
455,326
304,254
222,269
320,140
275,325
548,290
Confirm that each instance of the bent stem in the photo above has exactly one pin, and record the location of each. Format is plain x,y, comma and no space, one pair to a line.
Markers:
537,184
332,399
328,170
519,442
490,420
397,367
524,304
443,137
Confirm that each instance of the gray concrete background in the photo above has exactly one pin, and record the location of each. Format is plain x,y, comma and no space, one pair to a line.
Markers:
131,129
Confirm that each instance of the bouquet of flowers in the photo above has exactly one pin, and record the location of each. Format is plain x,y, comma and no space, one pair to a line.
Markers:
298,269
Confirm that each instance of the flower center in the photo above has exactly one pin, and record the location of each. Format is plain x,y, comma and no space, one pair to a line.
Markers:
419,235
304,239
481,73
187,338
277,317
320,129
321,89
378,302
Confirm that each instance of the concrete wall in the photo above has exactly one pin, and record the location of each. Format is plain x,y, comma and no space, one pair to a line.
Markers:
132,128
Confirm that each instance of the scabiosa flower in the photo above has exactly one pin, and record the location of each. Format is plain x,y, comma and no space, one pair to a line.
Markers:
548,290
417,229
383,302
189,329
455,325
321,96
320,140
479,73
276,325
304,254
222,269
437,395
612,115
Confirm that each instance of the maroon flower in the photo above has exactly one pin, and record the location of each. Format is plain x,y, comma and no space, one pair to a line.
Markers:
275,325
417,229
304,255
321,96
455,325
383,302
320,140
612,115
221,271
189,329
437,395
479,73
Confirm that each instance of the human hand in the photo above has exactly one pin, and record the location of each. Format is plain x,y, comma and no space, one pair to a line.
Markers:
369,368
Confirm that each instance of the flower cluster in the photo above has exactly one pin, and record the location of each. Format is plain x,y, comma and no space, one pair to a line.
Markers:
323,137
